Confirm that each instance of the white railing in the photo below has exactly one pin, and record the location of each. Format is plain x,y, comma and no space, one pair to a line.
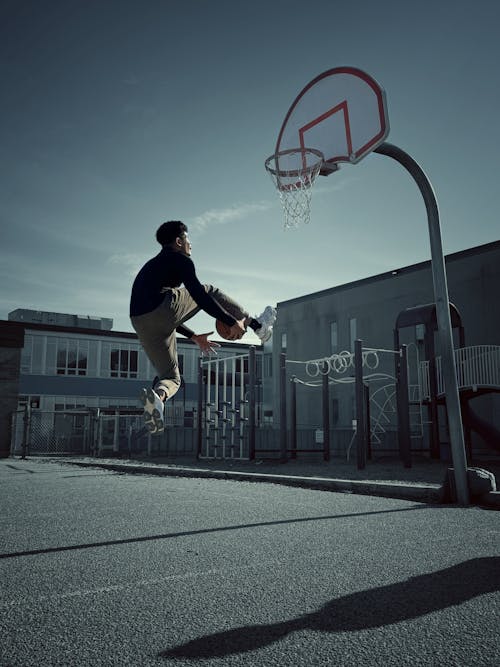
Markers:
476,366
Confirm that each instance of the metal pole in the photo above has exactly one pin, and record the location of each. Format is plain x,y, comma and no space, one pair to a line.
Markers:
283,424
199,414
251,414
242,406
26,429
224,408
368,438
326,414
404,409
216,409
208,408
430,353
99,432
116,432
233,406
443,318
293,418
360,404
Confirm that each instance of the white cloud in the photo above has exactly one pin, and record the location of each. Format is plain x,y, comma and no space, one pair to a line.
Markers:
131,261
222,216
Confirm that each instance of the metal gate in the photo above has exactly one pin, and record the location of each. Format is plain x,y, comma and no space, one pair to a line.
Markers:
228,409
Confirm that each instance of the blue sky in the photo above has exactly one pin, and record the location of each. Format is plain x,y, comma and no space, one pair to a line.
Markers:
119,114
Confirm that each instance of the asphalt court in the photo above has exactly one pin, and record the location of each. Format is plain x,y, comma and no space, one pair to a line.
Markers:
103,568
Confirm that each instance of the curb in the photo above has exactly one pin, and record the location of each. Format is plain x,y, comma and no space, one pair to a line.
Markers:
425,493
491,500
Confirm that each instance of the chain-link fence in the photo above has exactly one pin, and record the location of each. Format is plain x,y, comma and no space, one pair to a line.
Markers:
93,433
39,432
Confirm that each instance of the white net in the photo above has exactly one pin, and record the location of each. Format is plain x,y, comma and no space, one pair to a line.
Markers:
293,173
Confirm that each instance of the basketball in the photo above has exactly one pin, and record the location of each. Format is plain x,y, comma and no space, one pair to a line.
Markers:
223,329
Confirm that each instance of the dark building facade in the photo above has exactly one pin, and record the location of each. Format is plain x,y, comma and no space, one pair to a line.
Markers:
327,323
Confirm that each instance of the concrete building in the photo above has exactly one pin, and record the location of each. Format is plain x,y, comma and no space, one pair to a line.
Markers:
57,362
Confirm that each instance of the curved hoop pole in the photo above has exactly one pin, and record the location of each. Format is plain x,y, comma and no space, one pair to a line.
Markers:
443,316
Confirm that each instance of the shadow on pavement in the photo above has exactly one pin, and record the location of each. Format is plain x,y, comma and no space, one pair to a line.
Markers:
201,531
374,608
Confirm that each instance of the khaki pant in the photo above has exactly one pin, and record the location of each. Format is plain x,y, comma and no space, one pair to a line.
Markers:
156,331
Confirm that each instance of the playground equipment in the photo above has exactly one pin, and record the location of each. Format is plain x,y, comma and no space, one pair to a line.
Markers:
426,317
477,372
375,397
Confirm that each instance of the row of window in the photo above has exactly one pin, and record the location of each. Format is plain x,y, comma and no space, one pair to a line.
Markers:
52,355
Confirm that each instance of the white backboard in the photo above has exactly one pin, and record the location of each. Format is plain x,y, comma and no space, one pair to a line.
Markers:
341,112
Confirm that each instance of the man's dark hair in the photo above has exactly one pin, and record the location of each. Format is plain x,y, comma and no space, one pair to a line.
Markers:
169,231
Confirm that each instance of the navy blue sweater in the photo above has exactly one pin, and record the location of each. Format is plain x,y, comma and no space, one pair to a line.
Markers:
172,269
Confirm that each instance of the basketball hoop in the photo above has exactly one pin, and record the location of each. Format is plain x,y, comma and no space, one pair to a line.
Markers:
293,173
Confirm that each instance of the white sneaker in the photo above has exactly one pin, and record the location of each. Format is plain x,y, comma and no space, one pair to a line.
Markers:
267,318
153,411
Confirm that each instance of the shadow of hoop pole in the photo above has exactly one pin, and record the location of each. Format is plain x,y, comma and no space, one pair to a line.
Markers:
443,316
370,609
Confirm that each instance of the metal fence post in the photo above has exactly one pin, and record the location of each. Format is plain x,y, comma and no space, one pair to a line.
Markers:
360,408
26,430
404,409
326,414
98,433
283,424
293,418
251,398
199,414
368,439
116,433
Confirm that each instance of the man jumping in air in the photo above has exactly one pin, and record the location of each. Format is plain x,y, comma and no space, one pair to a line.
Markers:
159,307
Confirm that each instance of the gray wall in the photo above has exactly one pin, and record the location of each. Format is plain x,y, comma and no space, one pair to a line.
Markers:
473,284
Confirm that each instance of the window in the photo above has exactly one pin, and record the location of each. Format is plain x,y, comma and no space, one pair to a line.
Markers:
123,362
71,357
38,358
33,355
334,337
283,342
51,355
